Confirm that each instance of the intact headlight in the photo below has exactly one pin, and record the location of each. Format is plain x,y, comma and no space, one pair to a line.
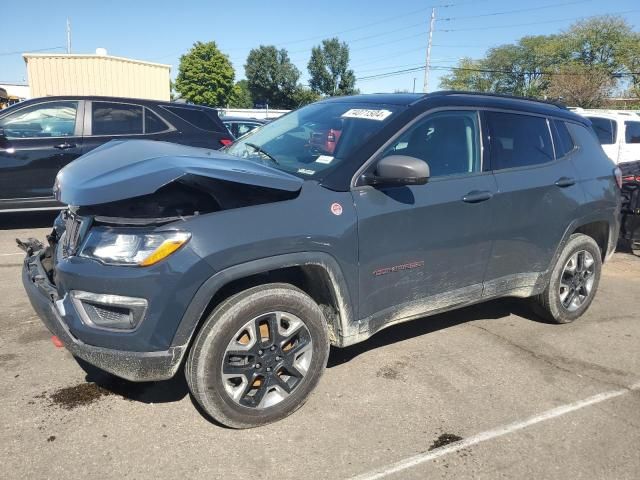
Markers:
115,246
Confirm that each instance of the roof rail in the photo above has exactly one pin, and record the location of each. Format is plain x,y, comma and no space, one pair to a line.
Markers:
499,95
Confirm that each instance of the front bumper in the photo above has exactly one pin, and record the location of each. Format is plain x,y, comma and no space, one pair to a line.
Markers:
131,365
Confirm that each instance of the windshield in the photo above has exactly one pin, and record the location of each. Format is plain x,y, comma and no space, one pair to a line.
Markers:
314,139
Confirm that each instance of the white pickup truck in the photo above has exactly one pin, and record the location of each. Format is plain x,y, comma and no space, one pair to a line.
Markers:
618,132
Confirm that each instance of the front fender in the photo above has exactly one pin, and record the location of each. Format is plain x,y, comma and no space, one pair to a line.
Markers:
341,295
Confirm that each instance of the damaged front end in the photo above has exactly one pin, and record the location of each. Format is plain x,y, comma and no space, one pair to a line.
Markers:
117,272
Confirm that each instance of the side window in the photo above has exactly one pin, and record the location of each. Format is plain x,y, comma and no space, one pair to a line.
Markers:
518,140
448,141
233,128
197,118
245,128
562,140
50,119
115,119
632,132
605,130
153,123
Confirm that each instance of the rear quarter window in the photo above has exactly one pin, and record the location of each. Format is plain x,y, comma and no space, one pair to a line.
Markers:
562,140
201,119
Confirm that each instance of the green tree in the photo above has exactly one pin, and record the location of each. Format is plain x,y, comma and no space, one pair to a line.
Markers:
329,69
467,76
240,96
205,75
599,41
586,53
271,77
304,96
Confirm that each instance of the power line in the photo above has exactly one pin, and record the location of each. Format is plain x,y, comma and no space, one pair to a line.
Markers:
557,20
509,12
483,70
20,52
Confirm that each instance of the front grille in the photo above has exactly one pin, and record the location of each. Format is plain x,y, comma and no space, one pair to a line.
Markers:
71,237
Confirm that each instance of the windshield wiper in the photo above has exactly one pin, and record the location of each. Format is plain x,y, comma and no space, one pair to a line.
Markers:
259,149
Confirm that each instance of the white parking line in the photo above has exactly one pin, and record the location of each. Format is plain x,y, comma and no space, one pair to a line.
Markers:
10,254
490,434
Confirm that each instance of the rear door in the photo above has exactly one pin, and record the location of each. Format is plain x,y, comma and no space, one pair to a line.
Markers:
38,141
424,247
536,200
110,120
630,148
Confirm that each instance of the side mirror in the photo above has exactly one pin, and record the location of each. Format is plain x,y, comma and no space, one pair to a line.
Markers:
398,170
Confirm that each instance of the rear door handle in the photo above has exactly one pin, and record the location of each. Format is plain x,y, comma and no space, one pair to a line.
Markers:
476,196
564,182
65,146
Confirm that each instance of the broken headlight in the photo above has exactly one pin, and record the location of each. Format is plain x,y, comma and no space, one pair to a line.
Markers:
118,247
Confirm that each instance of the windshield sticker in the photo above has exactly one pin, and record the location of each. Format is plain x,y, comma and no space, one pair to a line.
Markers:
304,171
326,159
366,114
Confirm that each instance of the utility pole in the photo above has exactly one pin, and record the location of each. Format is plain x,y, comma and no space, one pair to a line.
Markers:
68,36
428,63
414,84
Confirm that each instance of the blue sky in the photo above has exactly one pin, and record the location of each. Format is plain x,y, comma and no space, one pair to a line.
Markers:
384,36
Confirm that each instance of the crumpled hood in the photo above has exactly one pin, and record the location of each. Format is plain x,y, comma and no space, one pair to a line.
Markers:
125,169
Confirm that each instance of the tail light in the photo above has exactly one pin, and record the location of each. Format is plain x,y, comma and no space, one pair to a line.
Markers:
226,142
618,174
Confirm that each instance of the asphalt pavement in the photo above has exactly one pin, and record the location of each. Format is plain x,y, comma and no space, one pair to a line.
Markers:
488,391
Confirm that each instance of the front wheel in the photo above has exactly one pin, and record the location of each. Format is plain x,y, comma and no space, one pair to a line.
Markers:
574,281
258,356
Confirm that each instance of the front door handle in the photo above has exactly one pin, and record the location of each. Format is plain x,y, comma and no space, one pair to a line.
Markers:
477,196
564,182
65,146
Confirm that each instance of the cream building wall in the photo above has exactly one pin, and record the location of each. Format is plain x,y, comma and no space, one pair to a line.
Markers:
64,74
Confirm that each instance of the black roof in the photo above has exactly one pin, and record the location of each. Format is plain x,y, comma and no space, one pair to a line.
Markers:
141,101
462,98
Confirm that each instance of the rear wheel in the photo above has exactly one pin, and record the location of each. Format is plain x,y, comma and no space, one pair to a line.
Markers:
574,281
258,356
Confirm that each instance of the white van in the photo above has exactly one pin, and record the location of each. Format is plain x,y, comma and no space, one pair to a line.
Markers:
618,132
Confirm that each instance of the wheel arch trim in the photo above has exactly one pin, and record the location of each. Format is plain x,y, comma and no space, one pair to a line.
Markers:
205,293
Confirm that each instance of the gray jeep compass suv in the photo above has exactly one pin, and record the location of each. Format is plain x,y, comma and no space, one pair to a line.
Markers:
320,228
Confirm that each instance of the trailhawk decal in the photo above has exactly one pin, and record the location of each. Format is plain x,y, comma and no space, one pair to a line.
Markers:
398,268
366,114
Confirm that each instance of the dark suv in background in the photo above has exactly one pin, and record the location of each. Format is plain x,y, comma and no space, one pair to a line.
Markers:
40,136
245,269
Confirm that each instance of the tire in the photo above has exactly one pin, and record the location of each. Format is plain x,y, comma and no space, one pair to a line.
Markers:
552,303
253,362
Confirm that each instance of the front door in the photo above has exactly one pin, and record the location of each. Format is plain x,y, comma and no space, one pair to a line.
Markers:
38,141
426,247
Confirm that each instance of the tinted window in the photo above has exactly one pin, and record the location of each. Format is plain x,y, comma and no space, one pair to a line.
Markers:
447,141
518,140
116,119
632,132
50,119
153,123
605,130
197,118
562,140
244,128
